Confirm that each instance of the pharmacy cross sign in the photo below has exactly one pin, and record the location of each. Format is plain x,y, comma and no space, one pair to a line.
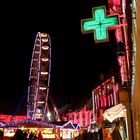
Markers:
99,24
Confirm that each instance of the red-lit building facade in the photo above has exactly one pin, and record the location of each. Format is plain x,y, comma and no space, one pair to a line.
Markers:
82,116
104,96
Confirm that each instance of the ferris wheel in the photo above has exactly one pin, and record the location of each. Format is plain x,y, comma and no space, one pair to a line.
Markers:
39,77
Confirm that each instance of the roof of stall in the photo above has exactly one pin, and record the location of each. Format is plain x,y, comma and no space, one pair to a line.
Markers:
66,125
2,124
29,123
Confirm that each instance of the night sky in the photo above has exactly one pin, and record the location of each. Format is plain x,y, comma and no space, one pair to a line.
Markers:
77,62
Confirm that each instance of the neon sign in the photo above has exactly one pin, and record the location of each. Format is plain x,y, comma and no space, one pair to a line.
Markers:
99,24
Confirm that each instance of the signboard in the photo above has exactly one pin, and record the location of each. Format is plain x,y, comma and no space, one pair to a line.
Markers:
99,24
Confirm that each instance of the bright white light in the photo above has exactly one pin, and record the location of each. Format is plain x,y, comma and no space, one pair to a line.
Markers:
45,47
44,73
42,88
44,35
45,39
48,114
45,59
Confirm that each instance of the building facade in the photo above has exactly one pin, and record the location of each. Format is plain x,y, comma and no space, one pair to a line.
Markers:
136,93
82,116
104,96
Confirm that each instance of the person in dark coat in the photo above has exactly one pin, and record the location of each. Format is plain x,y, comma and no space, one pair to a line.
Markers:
18,135
31,136
116,134
1,134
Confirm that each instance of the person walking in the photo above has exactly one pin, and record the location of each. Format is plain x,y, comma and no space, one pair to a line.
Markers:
40,137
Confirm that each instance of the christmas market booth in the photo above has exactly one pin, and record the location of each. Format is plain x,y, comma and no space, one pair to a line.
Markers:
116,115
29,127
67,130
49,130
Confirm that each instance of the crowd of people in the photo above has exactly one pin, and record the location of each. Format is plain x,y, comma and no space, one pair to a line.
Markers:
117,132
23,135
89,136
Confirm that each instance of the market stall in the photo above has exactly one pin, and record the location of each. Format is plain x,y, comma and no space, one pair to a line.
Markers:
117,116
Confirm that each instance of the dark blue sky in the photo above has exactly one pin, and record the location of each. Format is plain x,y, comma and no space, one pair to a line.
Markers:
77,61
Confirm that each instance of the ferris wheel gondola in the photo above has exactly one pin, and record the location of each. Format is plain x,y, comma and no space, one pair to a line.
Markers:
39,77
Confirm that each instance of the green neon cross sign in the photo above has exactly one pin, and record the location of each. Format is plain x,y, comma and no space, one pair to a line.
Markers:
99,24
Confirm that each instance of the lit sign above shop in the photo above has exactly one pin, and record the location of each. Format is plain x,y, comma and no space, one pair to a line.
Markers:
99,24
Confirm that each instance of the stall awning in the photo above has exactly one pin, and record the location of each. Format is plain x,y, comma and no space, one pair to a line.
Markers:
115,112
29,123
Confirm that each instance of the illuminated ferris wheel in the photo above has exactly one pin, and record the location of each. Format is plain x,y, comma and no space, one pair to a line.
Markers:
39,77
